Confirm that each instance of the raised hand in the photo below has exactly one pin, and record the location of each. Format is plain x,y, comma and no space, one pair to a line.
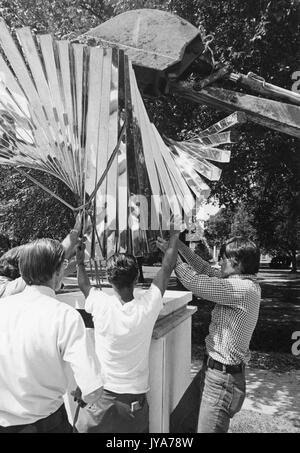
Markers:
177,224
83,224
162,244
78,223
80,252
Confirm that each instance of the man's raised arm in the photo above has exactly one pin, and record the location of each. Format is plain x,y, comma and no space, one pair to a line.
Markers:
195,261
199,264
161,280
70,241
83,279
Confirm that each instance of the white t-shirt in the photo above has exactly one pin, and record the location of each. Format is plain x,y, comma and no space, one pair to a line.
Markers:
40,338
122,337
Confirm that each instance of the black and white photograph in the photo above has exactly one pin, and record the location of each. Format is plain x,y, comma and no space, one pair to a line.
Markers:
149,219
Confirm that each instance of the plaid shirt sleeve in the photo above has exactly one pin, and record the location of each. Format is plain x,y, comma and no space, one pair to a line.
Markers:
194,260
222,291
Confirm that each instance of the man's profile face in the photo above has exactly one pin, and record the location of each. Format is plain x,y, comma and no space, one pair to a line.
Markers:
227,267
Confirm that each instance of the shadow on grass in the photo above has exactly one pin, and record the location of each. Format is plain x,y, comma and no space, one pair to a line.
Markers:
252,422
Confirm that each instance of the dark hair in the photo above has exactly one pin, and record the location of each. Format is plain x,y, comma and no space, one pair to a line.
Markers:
243,252
122,270
40,259
9,263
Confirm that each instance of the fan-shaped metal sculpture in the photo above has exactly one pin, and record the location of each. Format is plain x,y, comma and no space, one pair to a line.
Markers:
76,112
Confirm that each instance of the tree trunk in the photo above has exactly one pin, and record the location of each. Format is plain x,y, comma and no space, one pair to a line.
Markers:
294,262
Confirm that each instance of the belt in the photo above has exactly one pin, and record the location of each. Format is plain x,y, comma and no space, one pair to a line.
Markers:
128,398
134,401
230,369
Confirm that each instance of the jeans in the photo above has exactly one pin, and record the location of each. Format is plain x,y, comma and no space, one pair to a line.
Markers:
210,401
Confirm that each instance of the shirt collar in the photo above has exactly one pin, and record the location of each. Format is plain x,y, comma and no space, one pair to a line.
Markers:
40,289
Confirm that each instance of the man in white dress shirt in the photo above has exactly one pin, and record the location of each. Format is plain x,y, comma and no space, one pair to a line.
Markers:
40,338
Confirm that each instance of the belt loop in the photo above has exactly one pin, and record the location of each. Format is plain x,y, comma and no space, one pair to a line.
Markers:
224,368
207,360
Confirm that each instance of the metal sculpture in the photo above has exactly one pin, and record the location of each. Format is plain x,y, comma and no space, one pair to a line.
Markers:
76,112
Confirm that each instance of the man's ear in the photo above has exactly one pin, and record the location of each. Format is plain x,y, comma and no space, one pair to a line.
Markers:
235,263
237,266
58,272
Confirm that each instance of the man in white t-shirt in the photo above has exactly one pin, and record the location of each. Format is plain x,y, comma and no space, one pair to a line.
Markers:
123,326
40,338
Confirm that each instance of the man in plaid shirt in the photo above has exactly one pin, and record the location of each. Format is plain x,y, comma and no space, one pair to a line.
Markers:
218,390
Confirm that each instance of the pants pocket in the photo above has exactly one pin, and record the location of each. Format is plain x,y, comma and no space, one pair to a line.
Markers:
124,411
238,398
215,387
131,422
96,418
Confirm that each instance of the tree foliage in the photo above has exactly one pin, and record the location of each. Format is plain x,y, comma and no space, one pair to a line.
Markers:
228,223
261,36
27,212
218,228
277,208
59,17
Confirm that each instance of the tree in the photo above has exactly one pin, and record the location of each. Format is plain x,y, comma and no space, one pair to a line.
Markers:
243,223
26,212
230,222
261,36
277,210
218,227
59,17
